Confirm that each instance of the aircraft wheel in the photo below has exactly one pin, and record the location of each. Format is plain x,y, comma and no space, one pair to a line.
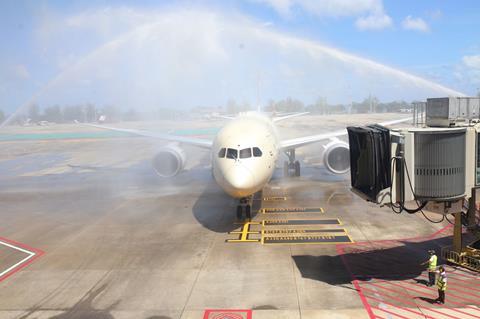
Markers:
297,168
248,210
239,212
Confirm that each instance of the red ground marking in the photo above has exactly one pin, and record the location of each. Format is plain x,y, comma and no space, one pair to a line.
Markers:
450,295
355,282
401,293
227,314
363,259
458,285
411,303
461,283
399,307
389,312
461,273
37,253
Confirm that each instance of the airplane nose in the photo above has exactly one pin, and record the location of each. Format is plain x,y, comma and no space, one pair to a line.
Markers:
240,181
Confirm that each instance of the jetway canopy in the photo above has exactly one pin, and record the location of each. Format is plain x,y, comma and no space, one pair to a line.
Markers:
370,159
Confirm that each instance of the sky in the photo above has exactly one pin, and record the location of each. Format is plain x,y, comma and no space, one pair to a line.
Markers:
182,54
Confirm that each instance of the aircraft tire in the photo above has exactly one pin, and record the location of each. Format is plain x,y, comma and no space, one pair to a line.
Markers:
248,210
239,212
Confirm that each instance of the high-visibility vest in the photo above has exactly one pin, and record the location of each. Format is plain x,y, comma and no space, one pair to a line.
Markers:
442,281
432,263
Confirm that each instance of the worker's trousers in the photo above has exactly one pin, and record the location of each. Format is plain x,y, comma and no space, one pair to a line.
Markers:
431,278
441,296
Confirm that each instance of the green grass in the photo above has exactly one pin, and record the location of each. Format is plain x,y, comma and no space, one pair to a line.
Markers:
94,135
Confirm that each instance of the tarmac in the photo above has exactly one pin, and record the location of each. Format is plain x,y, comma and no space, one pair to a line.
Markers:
89,231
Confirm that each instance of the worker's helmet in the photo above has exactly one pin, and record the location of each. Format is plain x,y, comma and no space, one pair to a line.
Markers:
431,252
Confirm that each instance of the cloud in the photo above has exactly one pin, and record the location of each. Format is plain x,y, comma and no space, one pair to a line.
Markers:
14,73
326,8
465,73
20,72
184,58
370,13
109,19
415,24
472,61
281,6
374,22
471,71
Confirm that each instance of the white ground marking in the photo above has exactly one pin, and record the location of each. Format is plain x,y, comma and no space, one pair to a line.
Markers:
29,253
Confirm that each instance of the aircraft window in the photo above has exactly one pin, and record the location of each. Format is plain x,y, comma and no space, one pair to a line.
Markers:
222,152
246,153
232,153
257,152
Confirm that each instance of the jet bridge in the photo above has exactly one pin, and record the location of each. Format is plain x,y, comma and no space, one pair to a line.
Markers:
432,167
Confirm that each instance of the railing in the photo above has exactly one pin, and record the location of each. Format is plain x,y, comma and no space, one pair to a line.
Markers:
464,259
419,113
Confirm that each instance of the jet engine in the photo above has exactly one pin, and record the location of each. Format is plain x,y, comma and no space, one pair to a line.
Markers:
336,157
169,161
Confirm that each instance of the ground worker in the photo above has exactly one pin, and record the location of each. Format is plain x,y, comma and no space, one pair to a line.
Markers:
441,285
432,267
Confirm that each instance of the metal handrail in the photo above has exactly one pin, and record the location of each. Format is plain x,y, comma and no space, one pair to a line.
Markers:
461,259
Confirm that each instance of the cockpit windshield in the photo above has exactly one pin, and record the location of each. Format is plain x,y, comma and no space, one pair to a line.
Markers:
246,153
222,152
243,153
257,152
232,153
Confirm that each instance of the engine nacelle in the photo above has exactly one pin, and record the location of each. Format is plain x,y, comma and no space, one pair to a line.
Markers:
336,157
169,161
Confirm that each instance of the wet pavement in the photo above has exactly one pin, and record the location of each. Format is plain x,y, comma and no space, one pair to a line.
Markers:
119,242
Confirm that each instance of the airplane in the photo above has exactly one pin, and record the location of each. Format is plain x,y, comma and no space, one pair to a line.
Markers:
245,151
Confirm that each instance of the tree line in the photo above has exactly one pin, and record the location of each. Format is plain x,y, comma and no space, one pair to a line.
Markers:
370,104
91,113
87,113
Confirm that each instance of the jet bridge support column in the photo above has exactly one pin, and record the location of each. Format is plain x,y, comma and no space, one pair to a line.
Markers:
472,210
457,233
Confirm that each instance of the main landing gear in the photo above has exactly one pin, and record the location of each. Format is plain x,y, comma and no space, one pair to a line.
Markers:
244,206
291,165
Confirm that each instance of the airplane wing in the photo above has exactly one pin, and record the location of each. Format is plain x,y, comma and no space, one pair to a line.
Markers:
226,117
181,139
302,141
288,116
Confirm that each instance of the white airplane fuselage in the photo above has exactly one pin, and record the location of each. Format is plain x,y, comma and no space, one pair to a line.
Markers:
244,154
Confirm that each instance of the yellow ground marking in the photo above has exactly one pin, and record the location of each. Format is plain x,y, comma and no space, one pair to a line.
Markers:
324,233
303,232
268,210
305,222
312,243
274,198
244,233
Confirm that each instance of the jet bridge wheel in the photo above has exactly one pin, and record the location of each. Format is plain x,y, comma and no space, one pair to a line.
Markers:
297,168
285,169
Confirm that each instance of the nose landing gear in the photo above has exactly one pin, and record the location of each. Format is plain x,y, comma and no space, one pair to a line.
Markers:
244,206
291,165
